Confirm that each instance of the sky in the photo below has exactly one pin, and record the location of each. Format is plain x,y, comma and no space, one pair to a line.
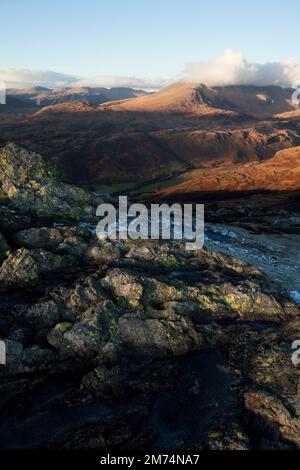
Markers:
151,40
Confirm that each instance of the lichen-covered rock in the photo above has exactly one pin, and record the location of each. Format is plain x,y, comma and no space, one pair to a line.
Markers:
227,434
104,251
271,368
23,267
31,185
269,417
42,315
124,286
245,302
11,221
81,340
19,270
105,316
123,321
157,293
47,238
157,338
84,294
291,330
125,318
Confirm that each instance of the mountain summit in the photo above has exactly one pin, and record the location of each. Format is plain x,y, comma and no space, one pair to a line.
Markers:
191,98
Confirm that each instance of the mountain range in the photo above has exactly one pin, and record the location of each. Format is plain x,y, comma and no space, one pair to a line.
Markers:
187,137
38,97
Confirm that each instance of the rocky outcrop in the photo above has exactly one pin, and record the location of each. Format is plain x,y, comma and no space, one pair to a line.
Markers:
32,186
127,333
275,421
124,326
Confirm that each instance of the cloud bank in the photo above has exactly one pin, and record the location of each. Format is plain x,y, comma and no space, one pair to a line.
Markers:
50,79
29,78
109,81
232,68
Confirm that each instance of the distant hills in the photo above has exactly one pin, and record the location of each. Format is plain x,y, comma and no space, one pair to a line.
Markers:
280,173
40,96
187,98
125,139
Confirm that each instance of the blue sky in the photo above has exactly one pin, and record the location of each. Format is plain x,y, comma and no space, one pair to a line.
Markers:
142,38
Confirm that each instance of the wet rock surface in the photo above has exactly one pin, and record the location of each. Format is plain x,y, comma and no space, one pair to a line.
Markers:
276,253
139,344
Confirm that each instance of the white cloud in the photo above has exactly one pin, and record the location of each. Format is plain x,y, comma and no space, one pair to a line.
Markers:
29,78
116,81
232,68
50,79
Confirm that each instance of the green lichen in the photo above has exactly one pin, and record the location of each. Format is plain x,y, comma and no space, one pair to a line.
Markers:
63,327
57,261
74,214
110,316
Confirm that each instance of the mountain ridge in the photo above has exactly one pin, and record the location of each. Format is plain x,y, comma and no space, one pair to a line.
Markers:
182,127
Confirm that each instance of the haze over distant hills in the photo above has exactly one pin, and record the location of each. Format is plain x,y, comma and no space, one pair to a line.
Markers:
41,96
